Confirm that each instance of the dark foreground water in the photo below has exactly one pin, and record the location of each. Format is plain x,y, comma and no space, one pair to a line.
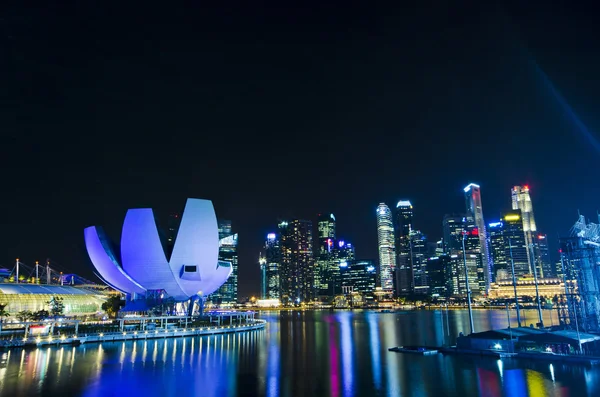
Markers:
298,354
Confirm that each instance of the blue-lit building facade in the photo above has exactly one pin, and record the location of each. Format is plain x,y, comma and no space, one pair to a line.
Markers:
145,270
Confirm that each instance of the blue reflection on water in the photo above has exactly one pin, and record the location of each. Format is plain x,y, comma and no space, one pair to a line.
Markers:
515,382
375,348
273,359
347,353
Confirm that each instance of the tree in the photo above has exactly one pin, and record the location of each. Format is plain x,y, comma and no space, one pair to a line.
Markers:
25,315
40,315
57,307
112,305
3,313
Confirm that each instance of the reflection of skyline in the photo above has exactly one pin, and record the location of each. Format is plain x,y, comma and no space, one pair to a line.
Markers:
375,349
347,353
339,354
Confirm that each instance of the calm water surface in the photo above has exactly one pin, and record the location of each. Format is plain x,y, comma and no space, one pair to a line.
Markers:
339,354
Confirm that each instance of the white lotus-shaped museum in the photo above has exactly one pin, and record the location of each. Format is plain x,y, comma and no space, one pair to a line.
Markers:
193,268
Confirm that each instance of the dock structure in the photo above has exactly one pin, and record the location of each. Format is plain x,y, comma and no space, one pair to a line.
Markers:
136,328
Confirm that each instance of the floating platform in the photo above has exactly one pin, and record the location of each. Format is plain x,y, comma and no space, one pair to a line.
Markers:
423,351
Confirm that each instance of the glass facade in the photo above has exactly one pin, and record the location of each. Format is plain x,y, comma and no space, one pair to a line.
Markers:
386,247
475,210
77,301
405,265
296,274
228,242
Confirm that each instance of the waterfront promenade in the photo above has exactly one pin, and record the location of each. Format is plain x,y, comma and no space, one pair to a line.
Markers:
55,340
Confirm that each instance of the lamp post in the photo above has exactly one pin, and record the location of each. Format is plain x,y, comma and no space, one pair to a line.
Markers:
537,292
514,278
464,236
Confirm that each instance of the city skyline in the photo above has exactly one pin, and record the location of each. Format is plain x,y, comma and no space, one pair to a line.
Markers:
291,112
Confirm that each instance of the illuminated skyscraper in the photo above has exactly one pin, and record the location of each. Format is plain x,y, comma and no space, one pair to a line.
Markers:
271,262
228,241
325,266
387,251
521,200
498,244
515,245
475,209
404,259
540,248
296,276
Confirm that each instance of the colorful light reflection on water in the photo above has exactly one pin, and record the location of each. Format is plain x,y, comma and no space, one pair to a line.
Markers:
338,354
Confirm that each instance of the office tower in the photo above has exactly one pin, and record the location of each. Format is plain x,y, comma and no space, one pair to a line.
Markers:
418,251
404,260
262,263
326,228
359,276
297,262
515,244
456,228
521,200
497,244
541,250
387,250
437,267
475,209
452,227
324,261
272,261
340,255
228,241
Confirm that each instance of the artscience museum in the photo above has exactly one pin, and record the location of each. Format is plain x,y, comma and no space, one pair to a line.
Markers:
146,269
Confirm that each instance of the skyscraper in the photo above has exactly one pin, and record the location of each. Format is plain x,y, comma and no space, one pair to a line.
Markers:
272,262
456,228
404,259
359,276
521,200
498,244
386,247
297,261
325,268
475,209
515,244
228,241
540,248
418,252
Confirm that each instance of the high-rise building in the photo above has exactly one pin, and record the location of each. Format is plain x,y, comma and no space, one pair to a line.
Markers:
359,276
272,263
521,200
297,261
262,263
453,225
437,268
456,228
515,244
404,260
228,241
475,209
418,251
540,248
497,244
386,247
325,266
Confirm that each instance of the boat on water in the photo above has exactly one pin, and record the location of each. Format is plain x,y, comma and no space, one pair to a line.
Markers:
423,351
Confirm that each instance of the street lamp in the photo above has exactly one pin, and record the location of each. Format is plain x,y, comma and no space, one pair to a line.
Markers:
464,236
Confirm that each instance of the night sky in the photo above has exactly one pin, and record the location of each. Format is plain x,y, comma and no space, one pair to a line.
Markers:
275,111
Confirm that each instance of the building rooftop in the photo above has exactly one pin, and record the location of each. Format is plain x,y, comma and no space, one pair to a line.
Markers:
10,289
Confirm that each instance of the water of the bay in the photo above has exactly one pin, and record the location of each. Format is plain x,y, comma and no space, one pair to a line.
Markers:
322,353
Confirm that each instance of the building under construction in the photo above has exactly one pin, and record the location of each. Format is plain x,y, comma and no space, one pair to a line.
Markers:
580,262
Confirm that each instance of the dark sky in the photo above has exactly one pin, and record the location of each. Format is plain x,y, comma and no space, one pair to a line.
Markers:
274,110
